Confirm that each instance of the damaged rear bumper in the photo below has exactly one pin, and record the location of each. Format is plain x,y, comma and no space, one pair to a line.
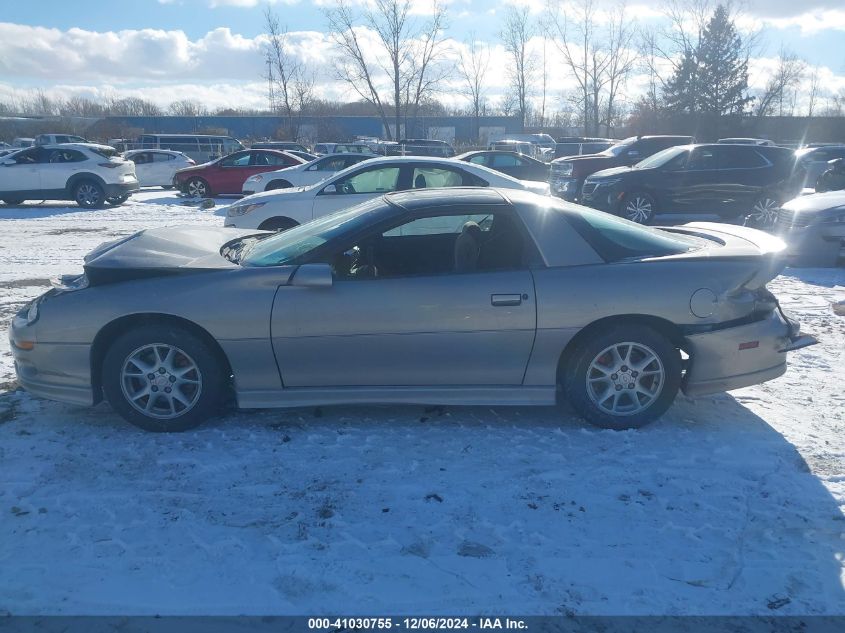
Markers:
735,357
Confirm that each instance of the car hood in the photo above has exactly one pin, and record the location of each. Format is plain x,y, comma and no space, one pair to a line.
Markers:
190,168
610,173
162,251
584,158
816,202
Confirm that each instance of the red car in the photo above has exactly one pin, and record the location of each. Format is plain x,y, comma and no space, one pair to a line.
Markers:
227,174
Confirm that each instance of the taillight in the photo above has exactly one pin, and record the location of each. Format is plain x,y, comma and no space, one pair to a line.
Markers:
109,165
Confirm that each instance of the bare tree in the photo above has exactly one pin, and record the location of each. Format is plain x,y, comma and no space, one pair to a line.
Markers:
187,107
621,58
516,36
787,76
427,66
284,68
813,92
473,70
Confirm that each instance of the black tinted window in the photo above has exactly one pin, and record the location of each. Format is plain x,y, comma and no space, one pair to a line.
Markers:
740,158
703,158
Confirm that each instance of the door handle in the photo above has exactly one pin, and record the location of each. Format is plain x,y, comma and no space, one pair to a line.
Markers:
506,300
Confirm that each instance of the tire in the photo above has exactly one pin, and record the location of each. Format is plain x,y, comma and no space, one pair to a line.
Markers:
116,201
763,212
277,224
277,184
197,188
12,202
89,194
166,351
168,187
638,207
593,376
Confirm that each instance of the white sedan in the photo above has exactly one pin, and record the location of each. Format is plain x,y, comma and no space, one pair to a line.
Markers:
303,175
285,208
156,167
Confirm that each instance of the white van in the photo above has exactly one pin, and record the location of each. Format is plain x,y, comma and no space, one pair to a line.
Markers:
199,147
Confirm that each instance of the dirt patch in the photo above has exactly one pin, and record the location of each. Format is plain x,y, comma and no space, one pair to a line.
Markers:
24,283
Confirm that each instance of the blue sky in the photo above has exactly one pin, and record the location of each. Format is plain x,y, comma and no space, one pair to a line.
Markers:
211,49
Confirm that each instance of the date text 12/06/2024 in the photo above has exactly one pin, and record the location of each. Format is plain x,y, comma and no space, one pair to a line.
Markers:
416,623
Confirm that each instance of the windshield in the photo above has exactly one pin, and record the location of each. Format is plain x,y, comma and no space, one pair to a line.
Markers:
615,238
661,158
621,146
285,247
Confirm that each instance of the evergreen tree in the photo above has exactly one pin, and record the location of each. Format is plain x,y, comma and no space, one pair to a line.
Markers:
723,70
712,77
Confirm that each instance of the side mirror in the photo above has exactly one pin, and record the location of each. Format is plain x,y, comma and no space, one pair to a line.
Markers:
313,276
330,189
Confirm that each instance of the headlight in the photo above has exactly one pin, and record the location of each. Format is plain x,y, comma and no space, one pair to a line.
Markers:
29,313
243,209
70,283
255,178
564,169
834,219
607,183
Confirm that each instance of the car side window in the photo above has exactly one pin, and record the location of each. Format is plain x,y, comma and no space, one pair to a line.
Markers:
141,158
30,156
437,244
505,160
702,158
480,159
379,180
65,156
741,158
333,164
236,160
158,157
428,177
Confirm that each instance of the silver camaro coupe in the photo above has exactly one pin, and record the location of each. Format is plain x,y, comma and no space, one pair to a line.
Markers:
474,296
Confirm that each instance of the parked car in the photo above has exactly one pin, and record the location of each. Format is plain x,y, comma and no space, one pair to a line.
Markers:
520,147
568,174
544,144
728,180
425,147
200,147
815,161
9,150
282,145
302,175
579,145
321,149
23,142
513,164
832,179
54,139
227,174
85,173
746,141
464,296
157,167
813,227
284,208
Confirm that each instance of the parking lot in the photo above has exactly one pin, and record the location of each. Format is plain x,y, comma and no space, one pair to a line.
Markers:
730,504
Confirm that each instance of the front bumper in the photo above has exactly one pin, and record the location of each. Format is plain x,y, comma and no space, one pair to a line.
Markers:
718,361
602,198
564,187
56,371
819,245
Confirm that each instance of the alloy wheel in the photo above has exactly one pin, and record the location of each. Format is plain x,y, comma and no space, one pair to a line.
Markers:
88,195
197,189
625,378
161,381
764,212
638,209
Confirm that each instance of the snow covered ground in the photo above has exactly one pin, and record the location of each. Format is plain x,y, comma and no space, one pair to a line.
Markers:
731,504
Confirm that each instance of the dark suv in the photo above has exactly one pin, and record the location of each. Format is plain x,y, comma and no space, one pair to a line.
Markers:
727,180
568,174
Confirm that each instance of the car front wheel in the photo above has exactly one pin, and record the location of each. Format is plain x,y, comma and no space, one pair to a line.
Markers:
163,378
623,377
197,188
763,213
638,207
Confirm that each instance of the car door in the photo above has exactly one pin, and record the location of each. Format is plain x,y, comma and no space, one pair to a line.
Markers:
230,172
509,164
359,186
743,176
412,318
691,190
159,169
144,169
59,165
21,172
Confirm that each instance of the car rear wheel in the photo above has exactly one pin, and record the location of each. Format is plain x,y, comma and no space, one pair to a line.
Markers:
277,224
89,194
117,200
638,207
277,184
623,377
197,188
163,378
763,212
